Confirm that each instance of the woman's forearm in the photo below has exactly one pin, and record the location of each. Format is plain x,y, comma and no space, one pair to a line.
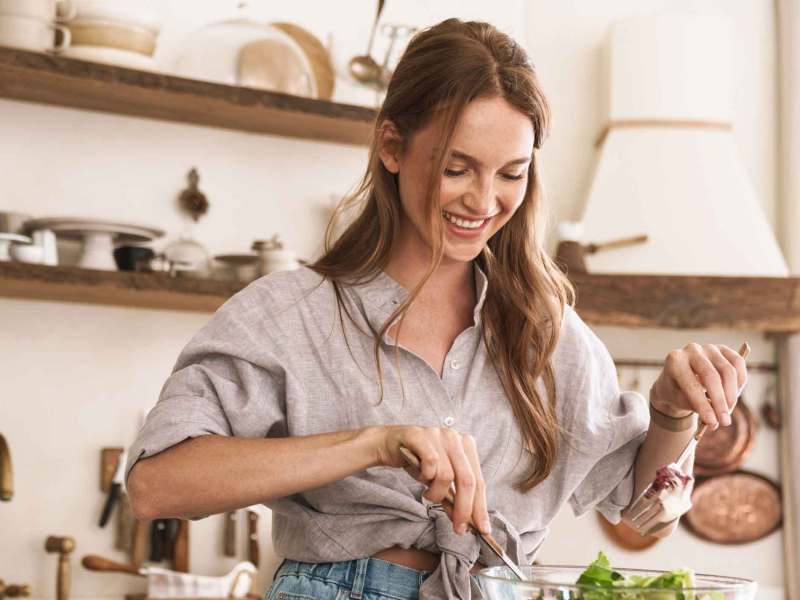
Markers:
213,474
661,447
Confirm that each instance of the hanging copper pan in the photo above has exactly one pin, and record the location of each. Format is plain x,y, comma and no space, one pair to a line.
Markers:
726,449
735,508
625,536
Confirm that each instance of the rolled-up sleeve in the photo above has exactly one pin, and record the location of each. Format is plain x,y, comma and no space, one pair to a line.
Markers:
227,381
613,424
608,487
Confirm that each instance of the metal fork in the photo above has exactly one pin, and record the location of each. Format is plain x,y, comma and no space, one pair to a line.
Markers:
414,463
645,510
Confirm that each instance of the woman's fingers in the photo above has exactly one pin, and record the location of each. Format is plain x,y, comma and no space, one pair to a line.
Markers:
480,511
679,369
728,376
712,382
706,379
465,480
738,363
450,462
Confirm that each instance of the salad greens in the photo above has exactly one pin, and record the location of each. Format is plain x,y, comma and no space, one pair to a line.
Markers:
600,582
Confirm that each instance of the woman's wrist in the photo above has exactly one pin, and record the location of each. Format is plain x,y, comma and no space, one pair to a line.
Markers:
669,418
671,423
667,409
370,439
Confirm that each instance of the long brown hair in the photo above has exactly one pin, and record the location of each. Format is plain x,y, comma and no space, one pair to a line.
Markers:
442,70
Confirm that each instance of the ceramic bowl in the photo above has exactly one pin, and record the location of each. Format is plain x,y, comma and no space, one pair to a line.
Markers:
123,12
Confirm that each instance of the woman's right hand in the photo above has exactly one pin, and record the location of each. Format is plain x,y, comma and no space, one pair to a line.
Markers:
446,457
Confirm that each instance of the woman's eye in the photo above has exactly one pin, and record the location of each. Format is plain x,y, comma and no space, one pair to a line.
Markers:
510,177
454,172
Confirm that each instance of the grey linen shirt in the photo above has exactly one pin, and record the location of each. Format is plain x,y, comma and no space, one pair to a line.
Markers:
274,362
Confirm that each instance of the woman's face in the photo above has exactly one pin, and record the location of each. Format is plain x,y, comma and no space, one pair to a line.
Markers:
482,185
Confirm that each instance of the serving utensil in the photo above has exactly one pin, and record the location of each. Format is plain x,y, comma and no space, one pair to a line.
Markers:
649,504
364,68
413,462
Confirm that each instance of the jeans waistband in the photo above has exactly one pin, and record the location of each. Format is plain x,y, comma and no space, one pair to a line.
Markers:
360,575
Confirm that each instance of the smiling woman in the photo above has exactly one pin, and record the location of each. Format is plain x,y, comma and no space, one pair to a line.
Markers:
435,324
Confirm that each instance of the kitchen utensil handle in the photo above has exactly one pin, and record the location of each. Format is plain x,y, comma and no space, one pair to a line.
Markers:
180,550
413,462
253,554
98,563
139,544
450,498
111,500
375,26
230,533
619,243
158,539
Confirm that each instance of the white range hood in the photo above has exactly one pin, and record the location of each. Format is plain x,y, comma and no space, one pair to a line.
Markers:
668,164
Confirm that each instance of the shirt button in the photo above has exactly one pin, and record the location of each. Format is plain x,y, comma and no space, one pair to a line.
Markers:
449,421
455,364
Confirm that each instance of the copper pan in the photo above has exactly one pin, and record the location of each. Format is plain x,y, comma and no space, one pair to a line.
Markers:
726,449
626,536
735,508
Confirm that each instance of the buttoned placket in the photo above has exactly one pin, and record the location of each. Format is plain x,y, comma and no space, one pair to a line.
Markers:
451,385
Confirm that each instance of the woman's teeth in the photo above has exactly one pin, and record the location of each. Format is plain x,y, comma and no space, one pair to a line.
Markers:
462,222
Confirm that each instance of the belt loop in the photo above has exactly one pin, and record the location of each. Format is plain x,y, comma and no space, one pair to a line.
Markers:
360,579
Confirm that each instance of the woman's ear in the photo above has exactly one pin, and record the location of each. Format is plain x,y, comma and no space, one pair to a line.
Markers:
390,145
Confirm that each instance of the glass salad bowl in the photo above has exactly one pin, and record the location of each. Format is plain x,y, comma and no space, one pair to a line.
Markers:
561,582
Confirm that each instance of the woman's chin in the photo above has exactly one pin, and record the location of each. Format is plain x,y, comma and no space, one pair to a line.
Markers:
462,252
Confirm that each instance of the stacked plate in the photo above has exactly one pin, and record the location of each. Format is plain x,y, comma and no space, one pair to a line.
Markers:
34,24
117,32
247,53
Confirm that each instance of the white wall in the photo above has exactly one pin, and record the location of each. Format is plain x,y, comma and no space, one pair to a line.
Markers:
569,67
77,377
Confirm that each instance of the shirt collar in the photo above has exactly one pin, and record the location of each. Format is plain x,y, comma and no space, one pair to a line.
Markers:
381,296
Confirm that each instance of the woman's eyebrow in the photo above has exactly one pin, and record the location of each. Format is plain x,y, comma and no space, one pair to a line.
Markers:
471,159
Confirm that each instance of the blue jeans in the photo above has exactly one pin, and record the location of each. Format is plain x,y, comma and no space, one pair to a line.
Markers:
362,579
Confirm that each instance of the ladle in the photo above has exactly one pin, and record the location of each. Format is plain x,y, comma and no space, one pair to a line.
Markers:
364,68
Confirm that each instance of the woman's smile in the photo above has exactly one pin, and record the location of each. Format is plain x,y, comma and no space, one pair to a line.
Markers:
464,226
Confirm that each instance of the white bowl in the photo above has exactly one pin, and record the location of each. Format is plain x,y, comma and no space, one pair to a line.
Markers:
107,34
214,53
127,12
31,34
112,56
44,10
27,253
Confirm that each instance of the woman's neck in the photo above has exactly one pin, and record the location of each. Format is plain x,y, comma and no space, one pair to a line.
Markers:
408,263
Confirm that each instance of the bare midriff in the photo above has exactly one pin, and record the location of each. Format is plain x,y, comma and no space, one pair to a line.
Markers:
414,558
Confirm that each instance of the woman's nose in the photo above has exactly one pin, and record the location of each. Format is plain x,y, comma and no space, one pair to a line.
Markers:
480,199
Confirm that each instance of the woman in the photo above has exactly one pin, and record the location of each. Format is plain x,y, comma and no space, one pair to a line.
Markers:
436,322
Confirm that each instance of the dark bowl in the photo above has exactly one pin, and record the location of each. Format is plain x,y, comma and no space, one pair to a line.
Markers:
132,258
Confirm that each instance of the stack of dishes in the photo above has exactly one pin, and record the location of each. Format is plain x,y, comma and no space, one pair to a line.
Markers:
247,53
35,24
116,32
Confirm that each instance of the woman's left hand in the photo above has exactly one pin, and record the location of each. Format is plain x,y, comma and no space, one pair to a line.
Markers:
704,379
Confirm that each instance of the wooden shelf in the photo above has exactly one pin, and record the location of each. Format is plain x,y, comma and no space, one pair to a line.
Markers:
60,81
116,288
768,304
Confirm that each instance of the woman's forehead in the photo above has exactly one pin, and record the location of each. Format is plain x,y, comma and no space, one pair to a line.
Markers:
491,131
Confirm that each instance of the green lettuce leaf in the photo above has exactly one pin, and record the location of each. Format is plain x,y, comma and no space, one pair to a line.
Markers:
600,582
